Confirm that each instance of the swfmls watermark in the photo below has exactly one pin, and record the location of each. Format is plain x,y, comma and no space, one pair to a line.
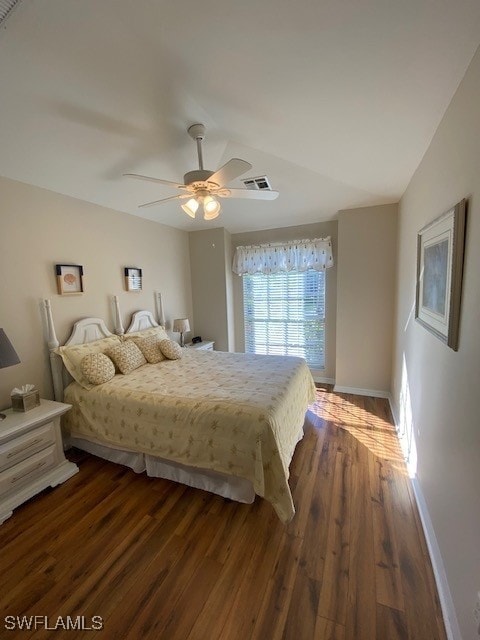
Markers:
64,623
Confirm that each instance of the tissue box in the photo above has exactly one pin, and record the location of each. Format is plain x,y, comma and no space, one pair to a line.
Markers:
27,401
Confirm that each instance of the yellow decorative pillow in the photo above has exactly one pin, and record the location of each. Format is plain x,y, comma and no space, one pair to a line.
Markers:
126,356
171,350
97,368
153,331
72,356
150,347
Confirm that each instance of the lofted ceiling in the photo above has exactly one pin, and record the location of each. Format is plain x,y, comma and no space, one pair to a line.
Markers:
336,102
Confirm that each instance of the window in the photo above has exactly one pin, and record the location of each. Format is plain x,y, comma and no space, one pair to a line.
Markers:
284,314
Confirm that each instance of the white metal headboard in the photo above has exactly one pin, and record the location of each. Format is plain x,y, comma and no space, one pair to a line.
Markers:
142,320
85,330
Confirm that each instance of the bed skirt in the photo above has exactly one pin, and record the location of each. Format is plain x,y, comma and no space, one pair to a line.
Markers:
231,487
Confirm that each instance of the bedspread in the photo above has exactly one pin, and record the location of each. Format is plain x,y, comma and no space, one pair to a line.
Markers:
238,414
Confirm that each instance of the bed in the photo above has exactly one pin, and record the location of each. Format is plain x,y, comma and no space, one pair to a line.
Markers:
223,422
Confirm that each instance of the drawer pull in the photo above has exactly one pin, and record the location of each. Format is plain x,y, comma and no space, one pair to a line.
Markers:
18,451
39,465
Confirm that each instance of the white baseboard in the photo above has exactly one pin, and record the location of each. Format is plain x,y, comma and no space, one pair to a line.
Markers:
446,602
374,393
448,610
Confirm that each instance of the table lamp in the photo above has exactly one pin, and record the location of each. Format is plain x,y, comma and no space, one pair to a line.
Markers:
181,326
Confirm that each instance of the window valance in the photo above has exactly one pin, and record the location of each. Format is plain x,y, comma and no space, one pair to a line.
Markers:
299,255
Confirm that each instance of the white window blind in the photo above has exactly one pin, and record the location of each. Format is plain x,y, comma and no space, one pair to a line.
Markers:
284,314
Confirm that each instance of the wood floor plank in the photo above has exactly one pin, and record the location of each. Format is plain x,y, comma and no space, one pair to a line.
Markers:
361,610
272,616
335,578
48,522
315,534
211,620
302,613
157,560
149,614
387,564
329,630
76,600
180,621
240,622
391,623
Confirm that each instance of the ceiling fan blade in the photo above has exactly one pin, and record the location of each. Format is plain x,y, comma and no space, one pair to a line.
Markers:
264,194
231,170
136,176
152,204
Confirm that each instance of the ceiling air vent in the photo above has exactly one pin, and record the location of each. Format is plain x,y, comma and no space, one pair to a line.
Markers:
257,184
6,7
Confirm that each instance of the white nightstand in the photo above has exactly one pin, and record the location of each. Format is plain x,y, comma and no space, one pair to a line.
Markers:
31,454
205,345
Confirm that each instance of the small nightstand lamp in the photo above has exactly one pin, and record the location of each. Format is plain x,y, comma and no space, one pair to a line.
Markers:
181,326
8,356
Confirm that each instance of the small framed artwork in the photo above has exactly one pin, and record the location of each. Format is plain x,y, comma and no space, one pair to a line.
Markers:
69,279
133,279
440,247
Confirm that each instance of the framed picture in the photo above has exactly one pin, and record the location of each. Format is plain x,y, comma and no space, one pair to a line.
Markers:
133,279
440,247
69,279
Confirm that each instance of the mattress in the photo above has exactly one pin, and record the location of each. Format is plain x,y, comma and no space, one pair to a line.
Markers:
237,414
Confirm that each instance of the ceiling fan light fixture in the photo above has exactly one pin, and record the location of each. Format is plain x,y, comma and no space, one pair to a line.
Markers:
211,208
190,207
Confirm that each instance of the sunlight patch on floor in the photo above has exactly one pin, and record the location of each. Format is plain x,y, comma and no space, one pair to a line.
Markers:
352,415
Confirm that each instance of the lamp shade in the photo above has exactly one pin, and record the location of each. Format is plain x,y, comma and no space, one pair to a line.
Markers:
191,207
8,355
211,208
181,325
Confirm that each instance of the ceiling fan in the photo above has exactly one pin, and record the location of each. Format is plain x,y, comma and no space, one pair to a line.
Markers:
203,187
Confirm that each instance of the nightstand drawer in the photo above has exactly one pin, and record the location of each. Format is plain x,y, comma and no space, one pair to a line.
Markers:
21,448
27,470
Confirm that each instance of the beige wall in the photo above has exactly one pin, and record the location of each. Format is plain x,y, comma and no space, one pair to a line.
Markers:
367,240
39,228
436,389
210,290
318,230
229,291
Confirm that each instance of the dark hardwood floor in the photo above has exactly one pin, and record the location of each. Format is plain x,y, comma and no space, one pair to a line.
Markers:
156,560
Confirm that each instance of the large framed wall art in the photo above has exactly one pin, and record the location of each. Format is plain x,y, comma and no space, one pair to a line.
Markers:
440,248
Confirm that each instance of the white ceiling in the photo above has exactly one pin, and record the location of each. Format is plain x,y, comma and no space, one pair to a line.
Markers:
335,101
